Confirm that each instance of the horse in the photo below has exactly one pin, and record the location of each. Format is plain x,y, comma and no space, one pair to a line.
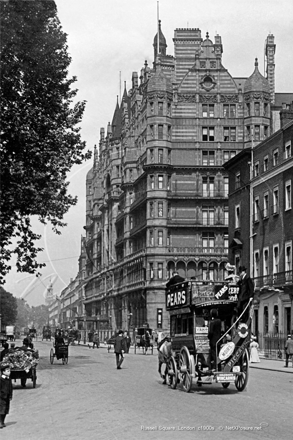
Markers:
164,354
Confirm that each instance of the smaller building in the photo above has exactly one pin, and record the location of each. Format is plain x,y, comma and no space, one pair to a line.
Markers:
261,228
54,309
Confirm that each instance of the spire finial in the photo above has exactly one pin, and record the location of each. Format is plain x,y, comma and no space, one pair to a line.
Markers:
207,35
256,62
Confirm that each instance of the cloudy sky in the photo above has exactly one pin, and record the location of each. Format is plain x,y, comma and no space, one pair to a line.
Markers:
106,37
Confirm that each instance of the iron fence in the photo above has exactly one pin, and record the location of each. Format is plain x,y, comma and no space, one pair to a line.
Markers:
272,345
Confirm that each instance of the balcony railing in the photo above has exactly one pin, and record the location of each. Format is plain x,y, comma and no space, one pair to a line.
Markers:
274,280
199,250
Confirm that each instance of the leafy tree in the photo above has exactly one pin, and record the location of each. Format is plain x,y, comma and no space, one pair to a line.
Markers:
40,316
39,128
8,308
23,313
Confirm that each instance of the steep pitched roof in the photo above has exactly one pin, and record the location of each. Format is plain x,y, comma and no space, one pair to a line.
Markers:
256,82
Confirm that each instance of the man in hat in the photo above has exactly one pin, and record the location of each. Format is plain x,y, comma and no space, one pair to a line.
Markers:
119,349
288,349
5,393
96,340
246,292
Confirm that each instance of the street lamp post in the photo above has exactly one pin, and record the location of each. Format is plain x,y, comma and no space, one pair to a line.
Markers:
129,320
110,325
98,326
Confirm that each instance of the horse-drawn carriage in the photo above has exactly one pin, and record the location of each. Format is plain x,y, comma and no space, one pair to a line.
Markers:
189,304
59,351
143,340
47,333
32,333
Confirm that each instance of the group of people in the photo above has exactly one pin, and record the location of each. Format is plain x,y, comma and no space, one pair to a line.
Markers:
6,390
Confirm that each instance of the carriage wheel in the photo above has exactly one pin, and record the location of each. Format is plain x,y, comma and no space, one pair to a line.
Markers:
66,360
225,385
242,380
63,359
185,365
172,373
51,356
23,381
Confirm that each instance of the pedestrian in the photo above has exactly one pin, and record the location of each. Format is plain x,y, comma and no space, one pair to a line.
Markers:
119,349
4,351
96,340
90,337
246,292
214,334
147,341
254,357
127,341
5,393
59,339
288,349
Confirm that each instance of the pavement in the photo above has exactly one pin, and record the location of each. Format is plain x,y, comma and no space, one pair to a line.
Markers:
273,365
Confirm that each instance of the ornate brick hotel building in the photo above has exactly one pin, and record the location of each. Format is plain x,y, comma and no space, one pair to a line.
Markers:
157,194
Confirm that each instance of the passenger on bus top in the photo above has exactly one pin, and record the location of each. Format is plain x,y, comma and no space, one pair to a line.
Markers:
245,294
231,277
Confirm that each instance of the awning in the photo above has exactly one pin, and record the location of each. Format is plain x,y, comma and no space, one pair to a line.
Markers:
236,243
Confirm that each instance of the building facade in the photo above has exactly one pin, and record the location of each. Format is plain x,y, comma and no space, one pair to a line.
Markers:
264,243
157,194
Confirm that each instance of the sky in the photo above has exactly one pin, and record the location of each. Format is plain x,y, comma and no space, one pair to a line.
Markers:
110,39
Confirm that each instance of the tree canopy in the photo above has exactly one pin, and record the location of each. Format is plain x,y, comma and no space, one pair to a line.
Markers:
8,308
40,128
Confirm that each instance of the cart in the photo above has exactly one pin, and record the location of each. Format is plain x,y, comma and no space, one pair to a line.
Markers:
10,332
47,333
60,352
140,340
189,304
23,365
23,375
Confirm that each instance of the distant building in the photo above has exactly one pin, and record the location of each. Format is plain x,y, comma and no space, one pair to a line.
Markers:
49,296
54,310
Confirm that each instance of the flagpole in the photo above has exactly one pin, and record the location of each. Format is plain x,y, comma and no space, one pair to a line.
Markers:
158,37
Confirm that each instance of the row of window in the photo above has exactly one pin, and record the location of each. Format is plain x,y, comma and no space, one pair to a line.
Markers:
229,134
256,132
207,239
262,260
208,110
275,159
208,157
206,271
208,184
264,210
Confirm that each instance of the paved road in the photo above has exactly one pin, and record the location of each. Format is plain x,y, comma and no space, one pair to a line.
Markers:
90,399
